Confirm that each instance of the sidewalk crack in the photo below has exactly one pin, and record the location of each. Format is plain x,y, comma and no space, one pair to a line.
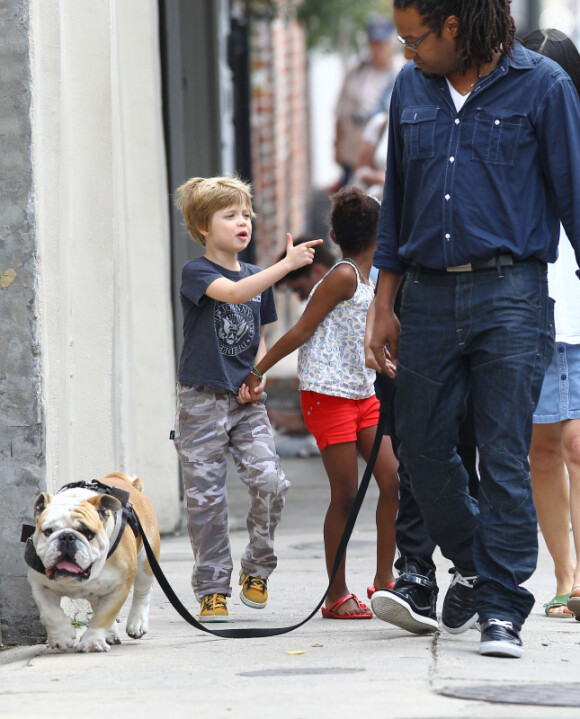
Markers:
434,662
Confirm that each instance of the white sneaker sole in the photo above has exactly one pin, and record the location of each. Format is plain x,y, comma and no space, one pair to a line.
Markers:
394,610
250,603
471,622
210,620
501,649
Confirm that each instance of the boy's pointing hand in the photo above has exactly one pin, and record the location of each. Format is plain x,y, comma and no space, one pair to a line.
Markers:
299,255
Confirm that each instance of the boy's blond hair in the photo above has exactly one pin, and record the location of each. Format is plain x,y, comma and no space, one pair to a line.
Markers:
200,197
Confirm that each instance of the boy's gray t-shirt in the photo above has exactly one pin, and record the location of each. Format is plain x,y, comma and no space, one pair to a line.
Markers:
220,338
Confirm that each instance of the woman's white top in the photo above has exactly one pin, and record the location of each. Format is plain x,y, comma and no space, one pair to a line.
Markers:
564,287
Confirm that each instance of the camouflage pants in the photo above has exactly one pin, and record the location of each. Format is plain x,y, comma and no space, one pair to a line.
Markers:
208,423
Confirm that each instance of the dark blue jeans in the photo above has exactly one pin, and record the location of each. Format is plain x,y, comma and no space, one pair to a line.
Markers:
489,332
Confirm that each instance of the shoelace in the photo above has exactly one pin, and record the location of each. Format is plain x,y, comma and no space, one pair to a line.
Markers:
501,623
256,583
466,581
212,602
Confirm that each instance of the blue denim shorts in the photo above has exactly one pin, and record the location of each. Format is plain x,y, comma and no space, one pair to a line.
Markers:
560,396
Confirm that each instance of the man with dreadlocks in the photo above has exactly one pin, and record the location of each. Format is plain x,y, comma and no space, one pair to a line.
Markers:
483,162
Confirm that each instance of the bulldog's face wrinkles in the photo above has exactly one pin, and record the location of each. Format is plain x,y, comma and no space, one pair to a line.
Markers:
72,535
74,531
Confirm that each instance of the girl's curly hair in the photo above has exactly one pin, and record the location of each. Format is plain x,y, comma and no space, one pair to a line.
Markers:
354,217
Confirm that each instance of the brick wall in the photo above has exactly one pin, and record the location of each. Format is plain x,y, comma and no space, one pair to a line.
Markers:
279,126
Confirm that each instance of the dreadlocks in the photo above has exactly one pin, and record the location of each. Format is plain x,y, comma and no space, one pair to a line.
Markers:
485,26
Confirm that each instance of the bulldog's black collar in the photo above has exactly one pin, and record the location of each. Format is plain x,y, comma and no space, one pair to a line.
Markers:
30,556
127,514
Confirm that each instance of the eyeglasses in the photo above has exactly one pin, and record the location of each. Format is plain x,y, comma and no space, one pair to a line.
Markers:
414,45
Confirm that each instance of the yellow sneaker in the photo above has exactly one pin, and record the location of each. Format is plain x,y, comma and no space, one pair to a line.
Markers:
213,608
254,591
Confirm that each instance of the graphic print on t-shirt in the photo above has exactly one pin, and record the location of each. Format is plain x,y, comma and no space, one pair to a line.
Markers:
234,325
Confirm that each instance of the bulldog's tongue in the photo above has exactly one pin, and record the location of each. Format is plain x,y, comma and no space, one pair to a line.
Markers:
68,566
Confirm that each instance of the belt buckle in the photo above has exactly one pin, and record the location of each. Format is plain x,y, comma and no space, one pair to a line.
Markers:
460,268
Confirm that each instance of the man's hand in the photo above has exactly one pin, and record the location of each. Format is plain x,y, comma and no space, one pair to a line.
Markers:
382,348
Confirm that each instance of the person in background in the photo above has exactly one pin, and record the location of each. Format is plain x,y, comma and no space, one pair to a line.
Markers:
362,88
416,587
483,163
371,159
337,393
555,448
302,280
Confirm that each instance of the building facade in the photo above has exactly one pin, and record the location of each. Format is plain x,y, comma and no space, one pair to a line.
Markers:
107,106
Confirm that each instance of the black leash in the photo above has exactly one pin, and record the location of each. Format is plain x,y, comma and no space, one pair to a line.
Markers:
274,631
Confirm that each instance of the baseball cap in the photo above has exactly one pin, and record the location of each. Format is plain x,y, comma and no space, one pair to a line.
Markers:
379,28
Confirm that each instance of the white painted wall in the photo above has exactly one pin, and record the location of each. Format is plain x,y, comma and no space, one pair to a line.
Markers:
104,250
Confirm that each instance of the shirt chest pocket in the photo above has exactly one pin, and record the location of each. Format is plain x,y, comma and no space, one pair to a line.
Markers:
496,136
418,128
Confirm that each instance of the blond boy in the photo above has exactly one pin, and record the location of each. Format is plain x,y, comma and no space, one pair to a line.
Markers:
226,303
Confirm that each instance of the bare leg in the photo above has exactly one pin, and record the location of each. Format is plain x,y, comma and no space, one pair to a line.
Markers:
385,473
571,450
551,497
340,463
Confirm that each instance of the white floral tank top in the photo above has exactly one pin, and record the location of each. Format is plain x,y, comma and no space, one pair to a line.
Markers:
332,361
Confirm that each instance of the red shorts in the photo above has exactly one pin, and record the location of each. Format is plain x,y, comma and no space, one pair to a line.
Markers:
333,420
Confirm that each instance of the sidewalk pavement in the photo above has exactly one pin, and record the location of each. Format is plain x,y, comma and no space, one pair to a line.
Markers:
324,670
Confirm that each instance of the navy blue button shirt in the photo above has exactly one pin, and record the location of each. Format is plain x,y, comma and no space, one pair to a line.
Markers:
495,177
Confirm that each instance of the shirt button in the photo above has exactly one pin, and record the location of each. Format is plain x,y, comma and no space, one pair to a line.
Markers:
448,197
560,349
496,122
447,236
563,377
457,121
451,159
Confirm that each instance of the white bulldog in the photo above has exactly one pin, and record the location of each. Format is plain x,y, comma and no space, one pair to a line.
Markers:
75,529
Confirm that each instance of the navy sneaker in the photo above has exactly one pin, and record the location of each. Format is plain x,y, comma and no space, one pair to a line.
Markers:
459,613
410,604
500,639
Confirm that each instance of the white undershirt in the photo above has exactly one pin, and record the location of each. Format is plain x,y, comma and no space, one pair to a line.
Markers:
457,97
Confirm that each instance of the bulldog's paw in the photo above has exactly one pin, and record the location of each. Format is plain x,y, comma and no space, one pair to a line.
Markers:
93,640
113,637
137,624
62,640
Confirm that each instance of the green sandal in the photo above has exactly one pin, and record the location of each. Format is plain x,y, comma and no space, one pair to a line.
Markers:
573,603
560,600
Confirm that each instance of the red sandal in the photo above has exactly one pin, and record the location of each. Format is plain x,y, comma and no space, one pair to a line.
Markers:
372,589
331,612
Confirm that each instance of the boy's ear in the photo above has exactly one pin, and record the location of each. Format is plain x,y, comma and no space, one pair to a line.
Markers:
202,230
333,236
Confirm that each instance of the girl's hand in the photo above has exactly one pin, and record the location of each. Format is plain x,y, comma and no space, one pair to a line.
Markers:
299,255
